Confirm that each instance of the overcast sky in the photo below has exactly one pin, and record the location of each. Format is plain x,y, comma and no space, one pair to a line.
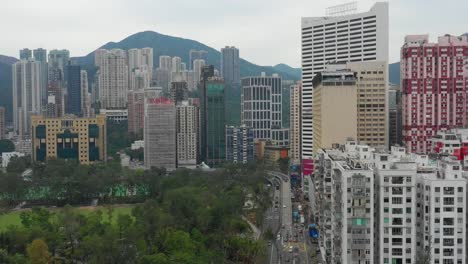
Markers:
267,32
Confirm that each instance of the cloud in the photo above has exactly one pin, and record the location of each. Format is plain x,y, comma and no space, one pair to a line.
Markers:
267,32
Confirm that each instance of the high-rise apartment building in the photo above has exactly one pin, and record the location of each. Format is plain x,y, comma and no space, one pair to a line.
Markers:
176,64
345,204
197,67
140,66
85,95
59,59
112,78
261,98
434,79
82,139
396,178
295,123
25,54
73,101
26,94
160,133
196,55
239,144
2,122
187,134
165,62
339,38
334,108
395,128
212,117
230,65
40,55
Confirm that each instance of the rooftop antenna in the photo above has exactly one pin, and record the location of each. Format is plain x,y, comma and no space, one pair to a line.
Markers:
342,10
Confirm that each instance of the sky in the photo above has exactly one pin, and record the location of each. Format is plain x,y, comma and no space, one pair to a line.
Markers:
267,32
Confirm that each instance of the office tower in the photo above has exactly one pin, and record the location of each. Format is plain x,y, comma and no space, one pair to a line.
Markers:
395,128
83,139
345,204
160,133
334,108
85,95
136,108
340,38
441,224
395,178
176,64
372,102
55,89
25,54
434,84
197,67
261,104
73,101
239,144
295,92
26,94
196,55
187,134
40,55
59,59
212,117
179,91
230,65
112,78
2,122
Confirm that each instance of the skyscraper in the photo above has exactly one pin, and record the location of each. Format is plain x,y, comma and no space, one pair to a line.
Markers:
179,91
295,123
339,37
261,98
196,55
59,59
25,54
187,134
230,65
176,64
395,128
73,101
40,55
165,62
112,78
136,107
239,144
212,117
434,79
26,94
197,67
140,66
85,95
55,89
160,133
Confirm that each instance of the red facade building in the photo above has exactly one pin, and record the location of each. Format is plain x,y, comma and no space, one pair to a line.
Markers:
434,81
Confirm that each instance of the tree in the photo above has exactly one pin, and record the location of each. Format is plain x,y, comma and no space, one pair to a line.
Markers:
283,164
38,252
6,145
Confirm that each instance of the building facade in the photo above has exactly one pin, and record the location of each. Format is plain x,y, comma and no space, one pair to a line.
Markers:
82,139
112,78
239,144
212,118
136,108
26,94
395,127
295,123
73,102
160,133
338,38
86,110
196,55
261,108
179,91
434,88
187,134
2,122
230,65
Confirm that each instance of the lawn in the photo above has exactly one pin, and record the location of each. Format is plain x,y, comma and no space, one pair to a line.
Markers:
13,218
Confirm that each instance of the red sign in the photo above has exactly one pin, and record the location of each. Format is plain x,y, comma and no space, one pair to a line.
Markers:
160,101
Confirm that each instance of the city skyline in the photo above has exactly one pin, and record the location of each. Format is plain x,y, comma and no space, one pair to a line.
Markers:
137,18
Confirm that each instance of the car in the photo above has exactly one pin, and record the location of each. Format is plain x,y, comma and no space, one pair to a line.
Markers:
284,206
290,249
278,237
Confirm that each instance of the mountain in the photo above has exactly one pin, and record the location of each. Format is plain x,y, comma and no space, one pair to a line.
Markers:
175,46
394,73
297,72
6,84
